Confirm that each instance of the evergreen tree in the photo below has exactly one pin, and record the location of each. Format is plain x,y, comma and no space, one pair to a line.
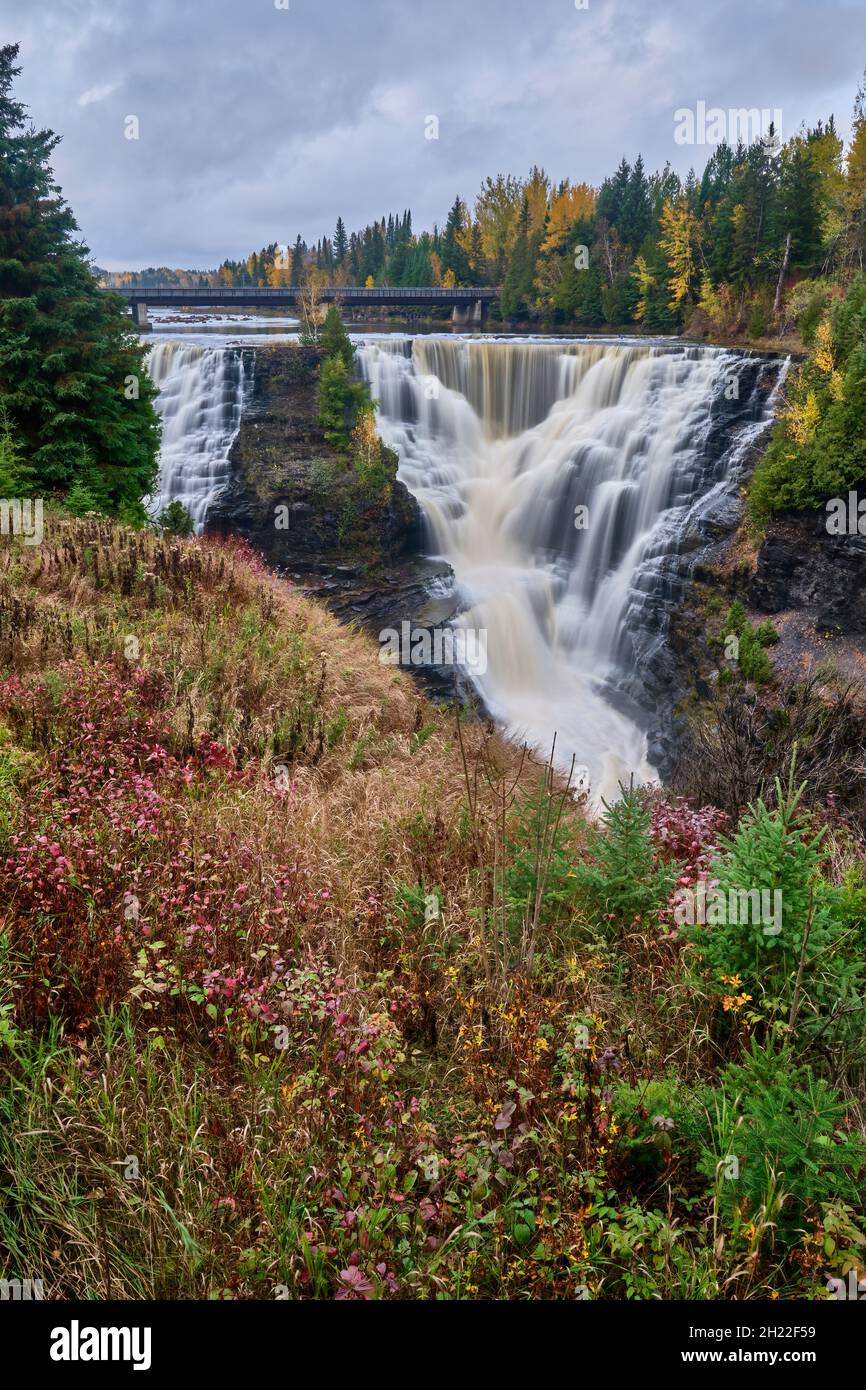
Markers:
73,385
334,339
454,257
297,270
517,291
613,196
635,213
341,244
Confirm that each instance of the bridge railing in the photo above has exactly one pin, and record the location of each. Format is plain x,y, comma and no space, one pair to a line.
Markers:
152,294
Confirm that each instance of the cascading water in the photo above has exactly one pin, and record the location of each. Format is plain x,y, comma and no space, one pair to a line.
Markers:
201,393
560,480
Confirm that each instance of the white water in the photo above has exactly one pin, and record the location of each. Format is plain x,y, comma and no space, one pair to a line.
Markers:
201,392
500,442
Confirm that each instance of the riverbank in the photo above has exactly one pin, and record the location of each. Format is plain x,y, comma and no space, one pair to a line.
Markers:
333,997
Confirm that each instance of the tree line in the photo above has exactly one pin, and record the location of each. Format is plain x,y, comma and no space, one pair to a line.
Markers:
645,248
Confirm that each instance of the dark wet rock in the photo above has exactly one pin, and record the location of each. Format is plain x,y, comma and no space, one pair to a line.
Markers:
291,496
800,566
661,628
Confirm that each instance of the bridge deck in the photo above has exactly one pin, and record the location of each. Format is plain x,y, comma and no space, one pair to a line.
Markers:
257,295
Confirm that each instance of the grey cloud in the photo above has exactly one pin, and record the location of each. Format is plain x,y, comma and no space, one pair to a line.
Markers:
258,123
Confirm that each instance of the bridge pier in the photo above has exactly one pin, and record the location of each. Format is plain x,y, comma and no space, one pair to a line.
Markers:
139,315
463,314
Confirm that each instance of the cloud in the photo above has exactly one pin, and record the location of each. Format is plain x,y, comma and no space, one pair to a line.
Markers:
94,94
256,123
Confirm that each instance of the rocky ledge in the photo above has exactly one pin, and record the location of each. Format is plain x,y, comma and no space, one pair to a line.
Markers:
801,566
292,496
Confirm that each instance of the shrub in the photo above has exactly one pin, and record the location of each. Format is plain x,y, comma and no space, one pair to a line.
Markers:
752,660
175,520
768,873
80,500
622,884
16,478
759,319
335,340
806,305
323,476
339,400
540,863
783,1127
818,446
734,754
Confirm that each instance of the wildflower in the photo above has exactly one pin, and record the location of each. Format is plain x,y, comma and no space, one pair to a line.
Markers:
608,1061
353,1284
662,1122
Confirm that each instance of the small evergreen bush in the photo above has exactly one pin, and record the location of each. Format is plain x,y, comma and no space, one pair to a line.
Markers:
622,884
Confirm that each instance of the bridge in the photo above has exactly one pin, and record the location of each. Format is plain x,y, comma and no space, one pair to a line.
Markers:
468,304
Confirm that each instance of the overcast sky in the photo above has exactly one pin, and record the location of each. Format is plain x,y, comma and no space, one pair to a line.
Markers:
258,122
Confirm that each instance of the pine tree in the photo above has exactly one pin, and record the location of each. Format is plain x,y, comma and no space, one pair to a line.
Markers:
334,339
517,290
453,255
297,271
613,196
73,385
635,212
341,244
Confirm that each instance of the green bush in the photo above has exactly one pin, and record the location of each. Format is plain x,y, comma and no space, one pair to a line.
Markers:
782,1125
818,447
540,859
175,520
759,320
80,500
806,305
776,852
16,478
335,340
340,398
752,660
622,884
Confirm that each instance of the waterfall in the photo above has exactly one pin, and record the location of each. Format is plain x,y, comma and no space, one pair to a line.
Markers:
201,392
560,481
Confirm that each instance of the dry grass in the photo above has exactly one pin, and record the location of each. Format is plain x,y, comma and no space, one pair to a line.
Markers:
181,727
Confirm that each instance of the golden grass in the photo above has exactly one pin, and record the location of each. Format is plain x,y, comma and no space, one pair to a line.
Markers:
253,663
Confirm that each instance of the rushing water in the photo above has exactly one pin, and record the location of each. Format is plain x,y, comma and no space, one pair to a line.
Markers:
563,481
201,394
503,444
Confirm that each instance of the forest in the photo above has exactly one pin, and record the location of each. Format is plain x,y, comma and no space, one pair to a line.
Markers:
644,249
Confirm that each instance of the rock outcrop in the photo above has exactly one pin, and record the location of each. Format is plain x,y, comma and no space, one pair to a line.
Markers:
292,495
800,566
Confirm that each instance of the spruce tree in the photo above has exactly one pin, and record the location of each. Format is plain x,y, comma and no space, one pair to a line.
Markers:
340,242
453,256
297,270
73,386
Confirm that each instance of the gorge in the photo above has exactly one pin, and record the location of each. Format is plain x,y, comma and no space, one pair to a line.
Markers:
565,486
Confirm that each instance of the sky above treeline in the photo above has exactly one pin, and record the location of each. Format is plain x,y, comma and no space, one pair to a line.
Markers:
261,119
